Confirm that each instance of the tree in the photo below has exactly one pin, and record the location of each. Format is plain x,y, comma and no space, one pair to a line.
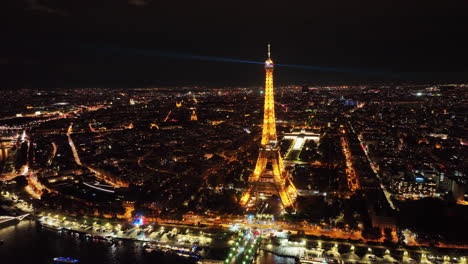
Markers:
388,235
372,233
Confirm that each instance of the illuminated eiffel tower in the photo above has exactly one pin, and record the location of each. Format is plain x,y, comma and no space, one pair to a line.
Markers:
269,176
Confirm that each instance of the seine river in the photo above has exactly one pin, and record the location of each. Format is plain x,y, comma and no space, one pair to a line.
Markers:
28,243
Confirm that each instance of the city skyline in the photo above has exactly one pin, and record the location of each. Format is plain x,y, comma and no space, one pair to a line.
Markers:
367,162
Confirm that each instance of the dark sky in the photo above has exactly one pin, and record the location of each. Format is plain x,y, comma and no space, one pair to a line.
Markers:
125,43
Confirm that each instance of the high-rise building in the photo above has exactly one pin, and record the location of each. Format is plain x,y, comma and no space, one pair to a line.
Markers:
270,176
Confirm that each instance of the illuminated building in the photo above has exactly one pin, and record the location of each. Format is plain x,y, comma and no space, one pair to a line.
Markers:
3,152
193,116
416,189
270,176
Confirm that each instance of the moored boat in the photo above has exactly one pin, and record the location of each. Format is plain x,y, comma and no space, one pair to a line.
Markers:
65,260
49,226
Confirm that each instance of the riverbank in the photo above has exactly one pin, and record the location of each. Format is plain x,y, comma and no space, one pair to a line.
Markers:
180,240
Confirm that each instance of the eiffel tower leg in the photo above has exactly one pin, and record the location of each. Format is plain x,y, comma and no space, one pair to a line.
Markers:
245,197
285,198
260,166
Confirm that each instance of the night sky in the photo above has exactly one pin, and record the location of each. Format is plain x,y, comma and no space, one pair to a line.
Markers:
144,43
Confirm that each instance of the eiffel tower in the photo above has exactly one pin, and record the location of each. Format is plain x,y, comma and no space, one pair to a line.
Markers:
269,176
